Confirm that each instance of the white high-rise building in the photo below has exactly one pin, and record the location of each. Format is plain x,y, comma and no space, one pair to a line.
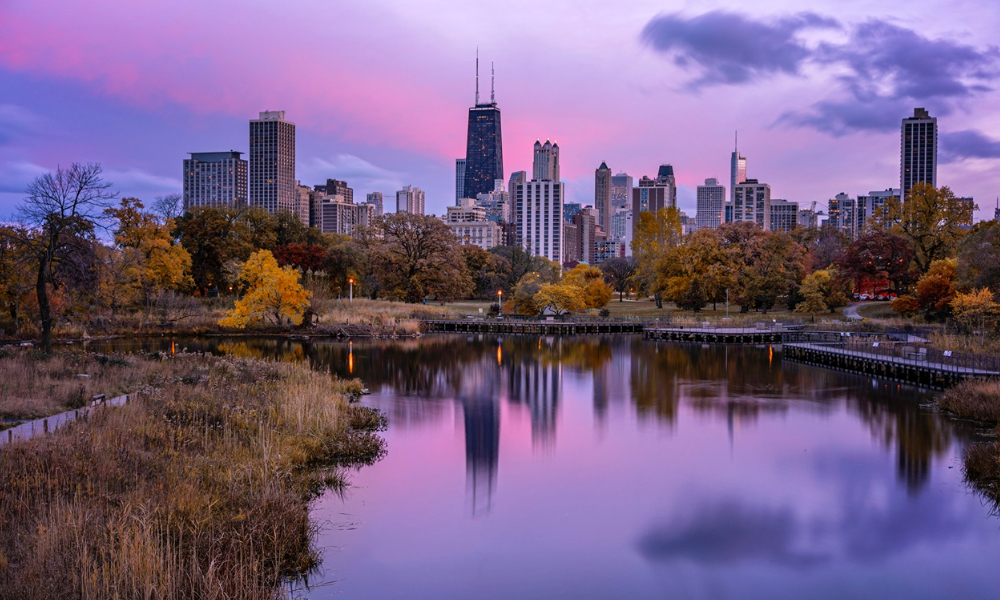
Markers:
752,202
375,199
784,215
842,214
868,205
737,172
621,191
711,204
410,199
546,163
538,206
272,163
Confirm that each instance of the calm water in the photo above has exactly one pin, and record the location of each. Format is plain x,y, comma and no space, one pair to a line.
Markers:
619,468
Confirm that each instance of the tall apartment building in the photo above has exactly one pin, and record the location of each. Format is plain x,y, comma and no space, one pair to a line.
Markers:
752,202
304,207
867,205
538,206
496,203
711,204
459,178
484,145
410,199
842,214
215,179
602,196
918,151
784,215
651,195
335,187
375,199
469,223
272,183
621,191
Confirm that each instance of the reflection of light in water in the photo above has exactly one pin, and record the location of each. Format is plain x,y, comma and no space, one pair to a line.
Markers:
350,357
173,347
770,355
499,354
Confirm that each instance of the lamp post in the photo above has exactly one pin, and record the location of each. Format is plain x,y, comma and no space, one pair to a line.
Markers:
351,281
499,302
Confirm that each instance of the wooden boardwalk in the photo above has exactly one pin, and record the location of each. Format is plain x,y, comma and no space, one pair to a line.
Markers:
717,335
506,327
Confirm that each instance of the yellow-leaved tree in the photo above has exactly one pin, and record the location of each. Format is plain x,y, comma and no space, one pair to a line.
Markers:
273,294
596,292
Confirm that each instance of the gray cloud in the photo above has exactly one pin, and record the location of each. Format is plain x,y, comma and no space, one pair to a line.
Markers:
958,145
882,70
729,48
15,121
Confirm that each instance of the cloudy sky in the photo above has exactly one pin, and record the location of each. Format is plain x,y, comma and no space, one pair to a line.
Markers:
379,89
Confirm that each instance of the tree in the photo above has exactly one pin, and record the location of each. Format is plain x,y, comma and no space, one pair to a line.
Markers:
619,272
216,236
302,256
490,272
655,233
813,294
932,219
168,208
976,312
416,256
979,258
15,280
766,265
560,298
272,293
878,255
590,281
61,211
934,292
694,297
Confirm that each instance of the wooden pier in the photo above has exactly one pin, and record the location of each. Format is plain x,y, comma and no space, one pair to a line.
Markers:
717,335
506,327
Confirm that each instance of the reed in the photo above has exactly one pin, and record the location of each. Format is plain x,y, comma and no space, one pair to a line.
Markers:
975,399
198,488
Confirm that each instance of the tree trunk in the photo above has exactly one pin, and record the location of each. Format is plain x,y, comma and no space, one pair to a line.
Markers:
621,293
44,310
658,298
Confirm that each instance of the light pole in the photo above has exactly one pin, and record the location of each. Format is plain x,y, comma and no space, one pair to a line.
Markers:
351,281
499,302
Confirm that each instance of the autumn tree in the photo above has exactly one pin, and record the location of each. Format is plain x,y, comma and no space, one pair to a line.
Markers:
217,236
522,262
590,281
60,214
270,294
878,255
15,279
655,233
932,219
766,265
976,312
619,273
489,272
933,294
302,256
416,256
813,294
979,258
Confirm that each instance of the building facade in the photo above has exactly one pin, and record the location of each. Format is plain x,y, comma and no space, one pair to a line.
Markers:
410,199
602,196
459,178
215,179
842,214
338,216
752,203
484,146
538,213
918,151
375,199
737,173
868,205
711,205
784,215
335,187
621,191
545,166
272,183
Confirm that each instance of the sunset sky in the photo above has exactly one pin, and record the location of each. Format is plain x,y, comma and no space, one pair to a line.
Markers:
379,90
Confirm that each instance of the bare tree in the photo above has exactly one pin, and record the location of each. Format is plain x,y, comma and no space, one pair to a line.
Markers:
61,209
619,273
168,207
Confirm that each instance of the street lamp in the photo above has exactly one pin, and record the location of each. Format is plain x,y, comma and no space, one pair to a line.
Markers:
351,281
499,302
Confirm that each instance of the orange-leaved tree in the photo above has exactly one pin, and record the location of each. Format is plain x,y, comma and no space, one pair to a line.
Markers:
273,294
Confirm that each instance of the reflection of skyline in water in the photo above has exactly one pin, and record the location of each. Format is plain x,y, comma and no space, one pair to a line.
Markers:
732,383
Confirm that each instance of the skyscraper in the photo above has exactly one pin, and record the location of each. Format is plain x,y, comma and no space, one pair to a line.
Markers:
602,196
737,171
538,206
459,179
215,179
484,145
665,176
651,195
410,199
918,154
711,202
272,163
335,187
546,164
621,191
752,202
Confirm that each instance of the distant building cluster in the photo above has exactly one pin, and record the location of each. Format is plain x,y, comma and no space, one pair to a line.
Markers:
533,212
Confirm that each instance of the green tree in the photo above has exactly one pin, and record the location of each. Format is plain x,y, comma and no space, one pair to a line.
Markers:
932,219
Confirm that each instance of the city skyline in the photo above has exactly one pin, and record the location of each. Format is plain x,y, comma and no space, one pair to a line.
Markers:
82,94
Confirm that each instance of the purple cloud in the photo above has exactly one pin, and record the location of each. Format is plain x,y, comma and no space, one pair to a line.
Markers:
959,145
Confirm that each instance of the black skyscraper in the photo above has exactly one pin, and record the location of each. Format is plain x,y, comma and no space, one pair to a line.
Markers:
484,149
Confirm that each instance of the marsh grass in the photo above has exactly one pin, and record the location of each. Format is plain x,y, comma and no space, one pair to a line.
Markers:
975,399
982,472
198,488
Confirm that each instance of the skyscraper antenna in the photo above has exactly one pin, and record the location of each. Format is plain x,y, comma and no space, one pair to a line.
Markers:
477,74
493,99
737,147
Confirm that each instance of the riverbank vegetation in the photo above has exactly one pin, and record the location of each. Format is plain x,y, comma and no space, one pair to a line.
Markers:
197,488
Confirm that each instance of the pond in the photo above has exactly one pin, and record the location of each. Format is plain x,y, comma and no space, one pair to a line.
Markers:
613,467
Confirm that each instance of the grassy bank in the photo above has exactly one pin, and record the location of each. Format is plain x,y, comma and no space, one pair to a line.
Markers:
982,471
974,399
198,488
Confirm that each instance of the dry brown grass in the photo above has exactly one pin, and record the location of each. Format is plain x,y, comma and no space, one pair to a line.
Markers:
982,471
198,488
34,385
964,343
377,317
974,399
